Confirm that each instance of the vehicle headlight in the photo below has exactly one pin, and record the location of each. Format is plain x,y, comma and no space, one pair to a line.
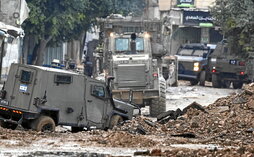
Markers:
196,66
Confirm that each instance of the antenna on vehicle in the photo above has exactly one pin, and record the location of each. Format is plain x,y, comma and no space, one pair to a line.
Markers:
3,86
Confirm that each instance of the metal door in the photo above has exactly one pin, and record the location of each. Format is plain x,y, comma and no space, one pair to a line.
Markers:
23,88
95,101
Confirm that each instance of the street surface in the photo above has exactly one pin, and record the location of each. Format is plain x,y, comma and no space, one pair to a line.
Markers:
185,94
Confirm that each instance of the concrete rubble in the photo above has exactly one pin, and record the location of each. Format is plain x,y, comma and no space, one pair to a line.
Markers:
228,124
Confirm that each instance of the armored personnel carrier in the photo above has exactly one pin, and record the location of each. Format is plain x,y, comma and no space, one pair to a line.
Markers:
193,62
227,68
41,98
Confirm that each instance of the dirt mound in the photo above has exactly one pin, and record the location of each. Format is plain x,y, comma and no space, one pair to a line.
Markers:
229,122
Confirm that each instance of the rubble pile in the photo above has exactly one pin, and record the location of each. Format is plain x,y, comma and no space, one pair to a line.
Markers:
227,123
228,152
141,125
123,139
229,120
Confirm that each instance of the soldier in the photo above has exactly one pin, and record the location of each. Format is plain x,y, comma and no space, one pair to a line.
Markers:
88,70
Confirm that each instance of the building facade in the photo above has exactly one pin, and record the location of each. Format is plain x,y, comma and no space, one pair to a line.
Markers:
12,15
187,21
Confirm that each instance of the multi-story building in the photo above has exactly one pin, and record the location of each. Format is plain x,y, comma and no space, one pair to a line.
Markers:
188,21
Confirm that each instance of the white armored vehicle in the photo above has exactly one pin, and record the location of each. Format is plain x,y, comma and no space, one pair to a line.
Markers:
40,98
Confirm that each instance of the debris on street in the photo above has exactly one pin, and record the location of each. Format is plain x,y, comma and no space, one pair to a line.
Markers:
227,124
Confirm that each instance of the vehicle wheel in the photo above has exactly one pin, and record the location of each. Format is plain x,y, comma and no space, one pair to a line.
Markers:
158,105
216,81
193,82
115,120
76,129
237,85
44,124
202,78
226,84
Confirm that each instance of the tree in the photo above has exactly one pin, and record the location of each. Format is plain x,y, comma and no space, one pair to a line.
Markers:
60,20
236,18
56,21
125,7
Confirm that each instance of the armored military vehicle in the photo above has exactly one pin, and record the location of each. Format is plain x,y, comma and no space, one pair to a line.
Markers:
227,68
41,98
193,62
133,55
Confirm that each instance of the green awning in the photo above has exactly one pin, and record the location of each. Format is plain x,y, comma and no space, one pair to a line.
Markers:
186,5
206,25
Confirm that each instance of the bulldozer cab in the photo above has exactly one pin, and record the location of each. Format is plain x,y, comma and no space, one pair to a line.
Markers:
129,43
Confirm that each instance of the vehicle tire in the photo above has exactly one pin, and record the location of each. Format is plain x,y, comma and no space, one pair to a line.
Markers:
44,124
76,129
193,82
237,85
216,81
226,84
115,120
202,78
158,105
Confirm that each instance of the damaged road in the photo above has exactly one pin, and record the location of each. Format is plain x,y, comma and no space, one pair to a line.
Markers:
223,128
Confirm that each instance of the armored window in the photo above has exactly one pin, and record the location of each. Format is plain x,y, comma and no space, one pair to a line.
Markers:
63,79
26,76
140,44
122,44
98,91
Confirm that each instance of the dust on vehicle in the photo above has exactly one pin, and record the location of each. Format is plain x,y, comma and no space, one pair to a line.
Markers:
40,98
227,68
133,55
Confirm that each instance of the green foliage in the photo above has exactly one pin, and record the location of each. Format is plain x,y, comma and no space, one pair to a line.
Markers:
63,20
236,18
125,7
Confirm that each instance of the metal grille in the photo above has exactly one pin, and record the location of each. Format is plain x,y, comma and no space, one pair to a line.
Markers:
131,75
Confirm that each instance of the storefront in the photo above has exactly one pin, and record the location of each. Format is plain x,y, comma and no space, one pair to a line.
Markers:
191,26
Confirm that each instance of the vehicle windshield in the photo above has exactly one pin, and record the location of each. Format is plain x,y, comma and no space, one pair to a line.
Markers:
123,44
199,52
140,44
192,52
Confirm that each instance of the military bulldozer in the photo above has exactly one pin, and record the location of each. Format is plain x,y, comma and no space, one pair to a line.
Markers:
133,55
41,98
